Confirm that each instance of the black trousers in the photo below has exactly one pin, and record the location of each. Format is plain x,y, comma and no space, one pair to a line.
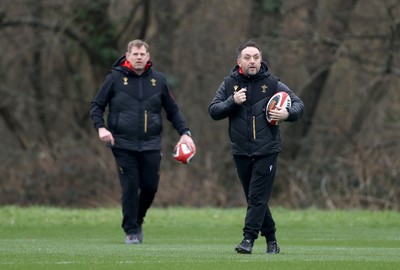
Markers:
139,175
257,175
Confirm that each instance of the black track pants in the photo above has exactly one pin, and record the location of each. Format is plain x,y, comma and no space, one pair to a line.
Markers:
139,175
257,175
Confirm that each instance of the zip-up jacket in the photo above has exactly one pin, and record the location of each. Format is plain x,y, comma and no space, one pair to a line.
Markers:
249,131
134,105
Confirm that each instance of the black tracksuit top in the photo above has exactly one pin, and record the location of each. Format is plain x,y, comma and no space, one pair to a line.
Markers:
249,131
135,103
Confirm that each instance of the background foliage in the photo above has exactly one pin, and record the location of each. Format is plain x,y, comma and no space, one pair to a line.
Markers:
341,57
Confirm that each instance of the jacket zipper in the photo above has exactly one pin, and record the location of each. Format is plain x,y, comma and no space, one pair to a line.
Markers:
145,121
254,127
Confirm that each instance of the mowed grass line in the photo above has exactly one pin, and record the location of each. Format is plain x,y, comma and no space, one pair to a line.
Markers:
196,238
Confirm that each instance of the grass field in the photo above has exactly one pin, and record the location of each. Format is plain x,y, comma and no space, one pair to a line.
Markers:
202,238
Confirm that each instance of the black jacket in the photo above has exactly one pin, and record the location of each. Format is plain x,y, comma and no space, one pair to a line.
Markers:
249,131
134,107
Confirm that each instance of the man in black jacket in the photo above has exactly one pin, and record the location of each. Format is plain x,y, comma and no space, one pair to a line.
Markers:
255,144
135,94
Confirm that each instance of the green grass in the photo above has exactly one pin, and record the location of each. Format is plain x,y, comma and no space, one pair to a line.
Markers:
187,238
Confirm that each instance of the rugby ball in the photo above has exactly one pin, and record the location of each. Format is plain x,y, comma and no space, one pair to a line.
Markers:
281,99
183,153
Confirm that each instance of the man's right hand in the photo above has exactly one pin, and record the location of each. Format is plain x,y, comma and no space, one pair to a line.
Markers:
240,96
106,136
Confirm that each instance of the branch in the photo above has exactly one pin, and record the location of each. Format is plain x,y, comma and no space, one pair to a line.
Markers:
56,27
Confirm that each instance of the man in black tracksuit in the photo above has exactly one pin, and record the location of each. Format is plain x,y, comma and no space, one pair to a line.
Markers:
135,95
255,144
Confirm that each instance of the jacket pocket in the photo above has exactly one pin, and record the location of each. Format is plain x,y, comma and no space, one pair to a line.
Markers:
113,121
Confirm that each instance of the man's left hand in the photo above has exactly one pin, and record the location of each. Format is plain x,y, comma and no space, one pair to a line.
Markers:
186,139
279,113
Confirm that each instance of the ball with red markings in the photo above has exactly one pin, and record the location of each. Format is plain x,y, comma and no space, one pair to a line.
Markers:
183,153
281,99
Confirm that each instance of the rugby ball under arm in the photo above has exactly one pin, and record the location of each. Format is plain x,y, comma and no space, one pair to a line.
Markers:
281,99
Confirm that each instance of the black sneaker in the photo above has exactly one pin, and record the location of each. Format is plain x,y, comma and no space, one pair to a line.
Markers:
245,246
273,248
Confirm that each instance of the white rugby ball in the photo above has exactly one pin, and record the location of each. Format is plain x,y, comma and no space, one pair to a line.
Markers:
183,153
281,99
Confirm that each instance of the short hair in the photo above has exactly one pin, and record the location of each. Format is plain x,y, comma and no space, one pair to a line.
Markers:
137,43
246,44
